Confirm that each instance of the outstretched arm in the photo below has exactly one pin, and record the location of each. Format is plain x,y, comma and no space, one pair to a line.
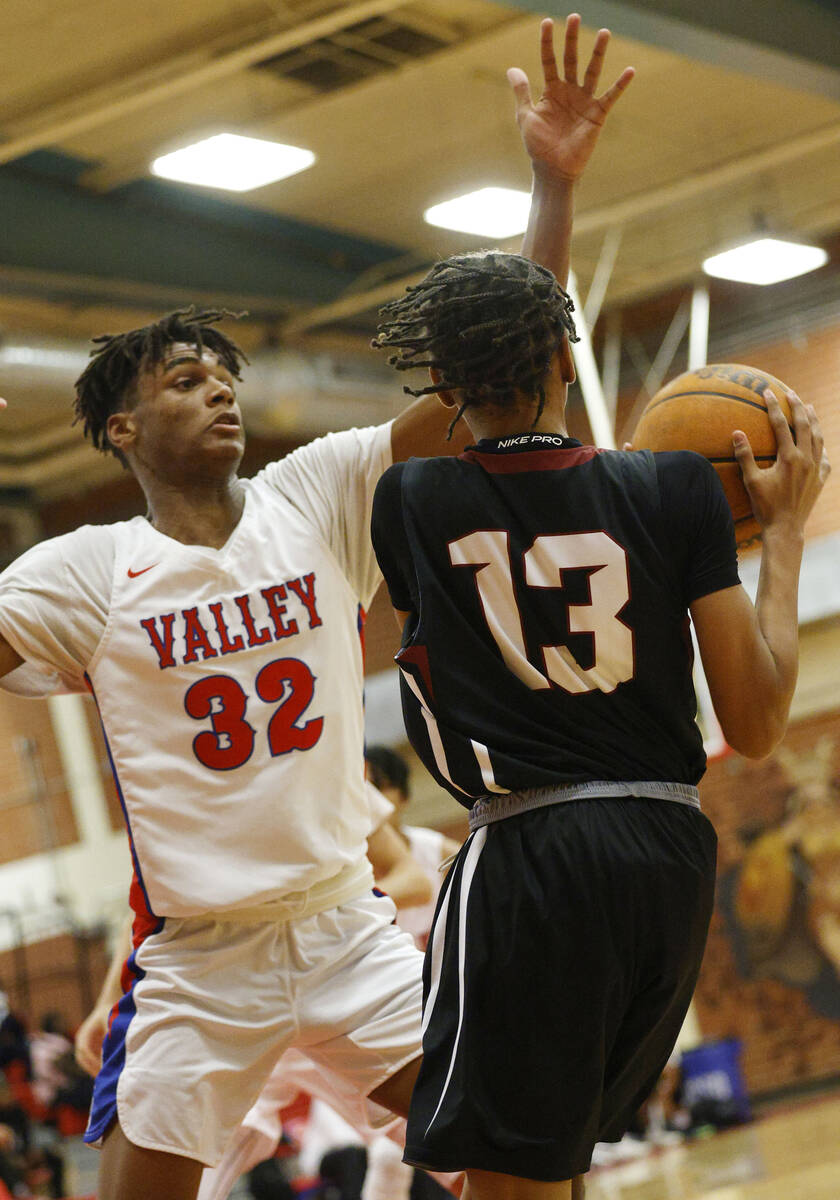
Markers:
751,654
559,132
394,869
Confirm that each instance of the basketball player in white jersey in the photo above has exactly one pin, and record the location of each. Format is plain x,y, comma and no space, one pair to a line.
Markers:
407,883
217,635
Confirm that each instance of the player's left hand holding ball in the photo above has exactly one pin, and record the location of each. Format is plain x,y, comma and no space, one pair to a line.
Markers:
786,492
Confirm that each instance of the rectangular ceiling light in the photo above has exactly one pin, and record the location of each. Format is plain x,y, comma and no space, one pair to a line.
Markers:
765,260
232,162
490,212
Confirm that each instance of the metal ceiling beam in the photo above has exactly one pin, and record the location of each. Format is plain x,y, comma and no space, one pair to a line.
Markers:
589,379
687,187
795,43
56,123
167,241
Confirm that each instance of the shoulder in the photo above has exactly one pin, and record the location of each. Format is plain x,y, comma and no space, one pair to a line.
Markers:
682,464
90,548
349,449
390,481
687,479
414,474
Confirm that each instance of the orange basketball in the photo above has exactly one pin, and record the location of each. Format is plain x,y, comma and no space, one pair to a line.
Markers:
699,410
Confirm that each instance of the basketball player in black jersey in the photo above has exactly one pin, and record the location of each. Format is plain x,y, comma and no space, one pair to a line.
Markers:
545,589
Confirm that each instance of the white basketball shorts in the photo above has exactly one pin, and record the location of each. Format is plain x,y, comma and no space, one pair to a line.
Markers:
213,1001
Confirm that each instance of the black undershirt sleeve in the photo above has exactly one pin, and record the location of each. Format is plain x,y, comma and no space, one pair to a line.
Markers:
698,523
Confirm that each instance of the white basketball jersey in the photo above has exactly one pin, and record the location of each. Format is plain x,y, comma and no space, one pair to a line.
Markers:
229,682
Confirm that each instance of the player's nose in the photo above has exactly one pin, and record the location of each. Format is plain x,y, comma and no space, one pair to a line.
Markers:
220,392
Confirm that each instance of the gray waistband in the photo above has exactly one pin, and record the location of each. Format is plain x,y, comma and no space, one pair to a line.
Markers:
497,807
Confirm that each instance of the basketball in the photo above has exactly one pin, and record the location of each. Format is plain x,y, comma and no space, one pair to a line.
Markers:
699,410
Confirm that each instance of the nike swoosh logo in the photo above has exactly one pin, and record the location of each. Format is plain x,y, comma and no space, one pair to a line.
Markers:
134,574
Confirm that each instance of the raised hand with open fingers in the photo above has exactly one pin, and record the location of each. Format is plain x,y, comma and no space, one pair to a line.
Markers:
785,493
560,130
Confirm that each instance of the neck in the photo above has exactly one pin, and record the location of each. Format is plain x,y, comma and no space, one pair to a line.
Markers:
201,515
507,422
486,425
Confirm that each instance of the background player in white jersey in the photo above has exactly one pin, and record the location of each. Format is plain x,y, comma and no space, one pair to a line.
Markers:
544,589
218,637
388,771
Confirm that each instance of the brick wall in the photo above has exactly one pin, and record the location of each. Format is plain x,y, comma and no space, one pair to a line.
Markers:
59,974
27,827
811,366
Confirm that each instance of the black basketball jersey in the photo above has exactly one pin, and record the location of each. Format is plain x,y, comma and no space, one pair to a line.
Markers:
547,585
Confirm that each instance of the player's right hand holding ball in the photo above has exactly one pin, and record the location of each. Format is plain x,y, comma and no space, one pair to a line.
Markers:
785,493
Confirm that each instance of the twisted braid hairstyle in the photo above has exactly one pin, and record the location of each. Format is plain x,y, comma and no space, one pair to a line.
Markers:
488,322
117,360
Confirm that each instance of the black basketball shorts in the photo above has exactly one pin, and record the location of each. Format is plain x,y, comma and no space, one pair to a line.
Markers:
562,960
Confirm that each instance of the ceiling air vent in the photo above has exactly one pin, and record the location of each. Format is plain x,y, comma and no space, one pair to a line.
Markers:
356,53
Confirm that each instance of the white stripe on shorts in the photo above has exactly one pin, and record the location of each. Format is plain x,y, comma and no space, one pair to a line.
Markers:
434,949
470,864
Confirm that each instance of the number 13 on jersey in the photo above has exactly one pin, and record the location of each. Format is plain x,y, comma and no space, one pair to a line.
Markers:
550,555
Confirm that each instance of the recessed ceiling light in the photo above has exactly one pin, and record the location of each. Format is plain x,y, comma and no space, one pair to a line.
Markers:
490,212
232,162
765,260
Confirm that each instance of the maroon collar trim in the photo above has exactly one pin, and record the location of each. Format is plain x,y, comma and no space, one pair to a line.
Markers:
529,460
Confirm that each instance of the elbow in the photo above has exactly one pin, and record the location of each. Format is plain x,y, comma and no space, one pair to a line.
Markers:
757,739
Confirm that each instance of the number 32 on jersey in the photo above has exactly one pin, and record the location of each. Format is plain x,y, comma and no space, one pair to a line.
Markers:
487,552
229,743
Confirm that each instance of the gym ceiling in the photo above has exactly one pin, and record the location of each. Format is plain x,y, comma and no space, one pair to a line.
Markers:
732,122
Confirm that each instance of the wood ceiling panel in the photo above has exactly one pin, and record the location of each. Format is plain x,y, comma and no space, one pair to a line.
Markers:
53,51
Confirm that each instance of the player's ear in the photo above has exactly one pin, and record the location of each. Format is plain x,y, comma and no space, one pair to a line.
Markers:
445,395
121,430
567,362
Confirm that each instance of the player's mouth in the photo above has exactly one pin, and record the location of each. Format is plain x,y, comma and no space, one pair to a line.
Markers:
227,418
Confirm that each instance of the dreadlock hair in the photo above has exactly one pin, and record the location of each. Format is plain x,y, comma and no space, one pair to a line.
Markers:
488,322
118,359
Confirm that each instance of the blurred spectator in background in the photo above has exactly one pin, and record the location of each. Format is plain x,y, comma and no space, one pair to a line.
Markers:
47,1048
